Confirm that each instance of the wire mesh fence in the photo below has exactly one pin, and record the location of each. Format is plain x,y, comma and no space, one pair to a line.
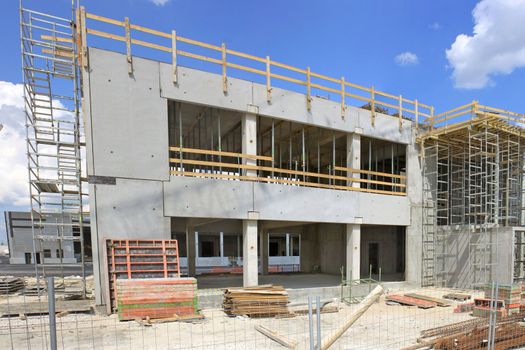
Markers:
399,318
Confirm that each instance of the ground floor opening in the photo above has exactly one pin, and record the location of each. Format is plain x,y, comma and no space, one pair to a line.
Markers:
297,254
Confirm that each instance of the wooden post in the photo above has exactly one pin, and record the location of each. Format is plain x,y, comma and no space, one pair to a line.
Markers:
373,106
224,79
174,55
343,108
431,117
128,45
400,111
363,306
83,36
308,90
268,86
416,111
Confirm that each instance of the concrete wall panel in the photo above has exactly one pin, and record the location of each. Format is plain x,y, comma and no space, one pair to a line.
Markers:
207,198
129,119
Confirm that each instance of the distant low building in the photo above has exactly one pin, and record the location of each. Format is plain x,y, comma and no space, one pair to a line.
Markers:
20,241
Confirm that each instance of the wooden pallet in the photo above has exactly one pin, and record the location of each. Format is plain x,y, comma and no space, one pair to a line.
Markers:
141,258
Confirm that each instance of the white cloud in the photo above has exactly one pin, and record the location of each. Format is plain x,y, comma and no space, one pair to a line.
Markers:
406,59
497,45
160,2
435,26
13,162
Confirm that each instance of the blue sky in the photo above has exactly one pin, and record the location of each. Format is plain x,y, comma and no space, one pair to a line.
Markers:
356,39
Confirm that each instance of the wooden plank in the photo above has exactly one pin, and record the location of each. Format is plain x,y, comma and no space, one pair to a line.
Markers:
284,181
220,153
438,301
287,343
423,304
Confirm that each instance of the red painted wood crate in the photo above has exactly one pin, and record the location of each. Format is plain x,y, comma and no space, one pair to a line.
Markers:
156,298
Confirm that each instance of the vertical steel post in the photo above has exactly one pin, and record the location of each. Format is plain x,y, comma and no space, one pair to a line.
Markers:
318,311
51,309
310,323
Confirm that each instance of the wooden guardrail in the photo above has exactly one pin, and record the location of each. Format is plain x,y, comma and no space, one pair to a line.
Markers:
470,113
265,67
382,183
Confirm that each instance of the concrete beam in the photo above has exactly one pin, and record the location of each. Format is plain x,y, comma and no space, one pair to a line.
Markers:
249,252
353,251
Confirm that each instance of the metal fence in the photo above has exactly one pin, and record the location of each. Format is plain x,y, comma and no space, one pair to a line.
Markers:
312,322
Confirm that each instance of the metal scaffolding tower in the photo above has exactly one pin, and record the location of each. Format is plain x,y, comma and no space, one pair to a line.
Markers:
473,185
54,138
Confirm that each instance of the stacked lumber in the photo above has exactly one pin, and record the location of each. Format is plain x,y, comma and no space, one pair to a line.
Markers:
9,284
152,298
260,301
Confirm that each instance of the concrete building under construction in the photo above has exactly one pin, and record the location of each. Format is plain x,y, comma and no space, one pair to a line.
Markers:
259,167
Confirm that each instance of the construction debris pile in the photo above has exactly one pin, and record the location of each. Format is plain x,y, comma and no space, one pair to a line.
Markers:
260,301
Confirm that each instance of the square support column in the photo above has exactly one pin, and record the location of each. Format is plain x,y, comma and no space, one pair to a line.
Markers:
353,156
265,238
191,249
249,252
353,251
249,141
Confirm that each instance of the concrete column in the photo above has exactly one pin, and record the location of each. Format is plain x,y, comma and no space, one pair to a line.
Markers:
249,140
287,244
353,155
353,251
191,243
221,240
264,251
249,251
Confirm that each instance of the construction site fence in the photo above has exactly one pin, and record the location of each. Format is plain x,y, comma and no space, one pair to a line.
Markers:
26,324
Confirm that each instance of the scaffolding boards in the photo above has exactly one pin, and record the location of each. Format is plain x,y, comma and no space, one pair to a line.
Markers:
472,185
55,142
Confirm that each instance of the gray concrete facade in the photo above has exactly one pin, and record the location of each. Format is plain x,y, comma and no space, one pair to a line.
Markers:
126,123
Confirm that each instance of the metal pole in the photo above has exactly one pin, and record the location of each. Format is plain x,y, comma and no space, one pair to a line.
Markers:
490,316
310,323
51,307
494,320
318,311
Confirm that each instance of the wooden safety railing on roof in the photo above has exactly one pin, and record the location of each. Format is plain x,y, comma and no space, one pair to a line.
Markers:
473,113
233,166
368,95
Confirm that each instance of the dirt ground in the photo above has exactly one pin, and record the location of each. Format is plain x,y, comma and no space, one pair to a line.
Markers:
381,327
